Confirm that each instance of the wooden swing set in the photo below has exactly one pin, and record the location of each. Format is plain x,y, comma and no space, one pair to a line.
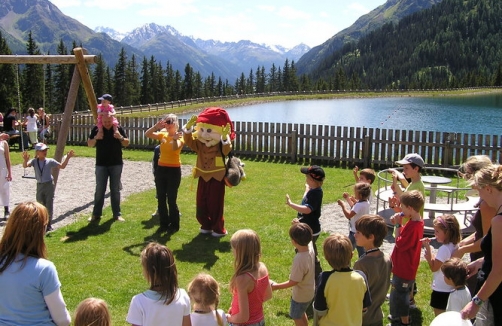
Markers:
81,74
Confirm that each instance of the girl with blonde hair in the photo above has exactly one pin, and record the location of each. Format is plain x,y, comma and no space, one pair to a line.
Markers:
204,292
250,285
92,312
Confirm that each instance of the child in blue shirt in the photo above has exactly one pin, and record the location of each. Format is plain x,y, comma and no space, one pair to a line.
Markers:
43,173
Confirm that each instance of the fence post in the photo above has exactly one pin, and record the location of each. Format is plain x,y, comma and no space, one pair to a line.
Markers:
448,150
292,145
366,151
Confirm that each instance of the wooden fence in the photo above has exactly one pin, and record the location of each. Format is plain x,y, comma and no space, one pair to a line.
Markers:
322,144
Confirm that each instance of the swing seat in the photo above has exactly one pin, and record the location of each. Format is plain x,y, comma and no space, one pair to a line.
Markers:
14,141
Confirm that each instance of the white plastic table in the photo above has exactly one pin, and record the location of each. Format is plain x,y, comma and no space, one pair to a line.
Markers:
434,182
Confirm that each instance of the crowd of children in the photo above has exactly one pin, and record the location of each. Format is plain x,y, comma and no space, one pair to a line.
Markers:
340,296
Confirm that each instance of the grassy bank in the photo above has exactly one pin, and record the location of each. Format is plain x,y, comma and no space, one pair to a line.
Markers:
103,260
249,100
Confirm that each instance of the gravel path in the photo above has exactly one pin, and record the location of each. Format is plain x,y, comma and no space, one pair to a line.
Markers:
75,193
75,188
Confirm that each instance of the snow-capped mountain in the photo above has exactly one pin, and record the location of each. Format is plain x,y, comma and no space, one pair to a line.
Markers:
116,35
242,56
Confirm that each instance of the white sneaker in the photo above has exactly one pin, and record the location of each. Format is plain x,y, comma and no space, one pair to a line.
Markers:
203,231
219,235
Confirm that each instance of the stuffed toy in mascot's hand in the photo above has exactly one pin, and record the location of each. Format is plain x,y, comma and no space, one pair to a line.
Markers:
209,135
235,172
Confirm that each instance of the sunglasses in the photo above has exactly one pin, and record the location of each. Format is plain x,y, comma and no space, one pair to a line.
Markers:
169,121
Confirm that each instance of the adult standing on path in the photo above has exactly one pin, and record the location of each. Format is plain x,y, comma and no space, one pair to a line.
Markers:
109,165
5,174
168,171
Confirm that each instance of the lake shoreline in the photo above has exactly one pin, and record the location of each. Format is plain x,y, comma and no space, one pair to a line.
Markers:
236,103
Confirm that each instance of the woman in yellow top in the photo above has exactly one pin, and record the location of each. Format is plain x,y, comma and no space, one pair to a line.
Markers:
168,172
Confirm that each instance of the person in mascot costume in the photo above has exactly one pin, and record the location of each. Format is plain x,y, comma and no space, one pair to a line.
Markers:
211,140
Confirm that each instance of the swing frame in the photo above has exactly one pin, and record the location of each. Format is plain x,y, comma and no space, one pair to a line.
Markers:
80,75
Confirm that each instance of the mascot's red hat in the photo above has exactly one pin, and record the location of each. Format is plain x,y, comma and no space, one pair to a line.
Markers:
218,117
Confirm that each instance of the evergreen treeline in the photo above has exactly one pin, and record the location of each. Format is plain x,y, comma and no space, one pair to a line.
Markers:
453,44
456,43
131,82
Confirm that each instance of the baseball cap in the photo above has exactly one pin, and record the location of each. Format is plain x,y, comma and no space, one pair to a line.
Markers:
412,158
107,97
316,172
41,147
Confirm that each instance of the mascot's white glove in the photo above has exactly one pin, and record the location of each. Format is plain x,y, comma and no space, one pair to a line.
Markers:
225,131
191,122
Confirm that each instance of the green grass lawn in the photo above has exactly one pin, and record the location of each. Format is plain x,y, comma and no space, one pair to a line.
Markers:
103,260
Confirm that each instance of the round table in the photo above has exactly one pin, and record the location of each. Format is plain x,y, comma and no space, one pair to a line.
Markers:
434,181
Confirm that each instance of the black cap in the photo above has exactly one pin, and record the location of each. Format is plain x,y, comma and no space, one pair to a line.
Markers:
107,97
316,172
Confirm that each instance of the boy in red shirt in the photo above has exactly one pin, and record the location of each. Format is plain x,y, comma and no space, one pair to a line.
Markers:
406,256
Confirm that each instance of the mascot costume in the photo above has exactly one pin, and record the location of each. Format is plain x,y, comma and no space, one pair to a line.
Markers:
211,140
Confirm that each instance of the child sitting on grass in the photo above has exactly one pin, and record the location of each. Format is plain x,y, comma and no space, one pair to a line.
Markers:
371,230
455,274
362,192
301,278
342,295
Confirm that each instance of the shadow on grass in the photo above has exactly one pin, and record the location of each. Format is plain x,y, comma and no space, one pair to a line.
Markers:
416,317
309,312
91,229
160,236
202,249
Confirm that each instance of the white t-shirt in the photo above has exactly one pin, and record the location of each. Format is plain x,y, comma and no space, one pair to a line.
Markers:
148,308
443,254
208,319
32,123
458,299
360,208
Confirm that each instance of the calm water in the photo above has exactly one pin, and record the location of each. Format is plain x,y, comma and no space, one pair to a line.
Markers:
474,114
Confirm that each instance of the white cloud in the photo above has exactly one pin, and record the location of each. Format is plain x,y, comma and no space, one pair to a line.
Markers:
66,3
291,13
357,9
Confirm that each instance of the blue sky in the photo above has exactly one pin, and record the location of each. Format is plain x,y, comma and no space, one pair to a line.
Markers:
286,23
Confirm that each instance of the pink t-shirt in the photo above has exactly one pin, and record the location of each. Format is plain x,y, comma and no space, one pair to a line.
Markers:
255,299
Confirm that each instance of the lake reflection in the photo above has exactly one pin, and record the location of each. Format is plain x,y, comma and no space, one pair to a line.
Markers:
474,114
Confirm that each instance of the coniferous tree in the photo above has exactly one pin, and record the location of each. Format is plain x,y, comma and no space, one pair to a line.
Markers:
272,79
33,92
98,77
133,87
48,87
177,89
146,95
61,81
188,87
8,80
120,79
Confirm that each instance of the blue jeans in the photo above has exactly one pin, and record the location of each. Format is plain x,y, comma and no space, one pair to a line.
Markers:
102,174
399,300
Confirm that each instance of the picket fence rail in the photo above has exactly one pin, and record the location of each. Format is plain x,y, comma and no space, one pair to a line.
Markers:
320,144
